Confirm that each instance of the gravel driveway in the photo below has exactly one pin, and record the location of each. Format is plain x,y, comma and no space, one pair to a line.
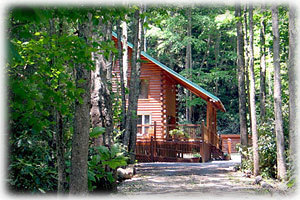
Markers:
215,178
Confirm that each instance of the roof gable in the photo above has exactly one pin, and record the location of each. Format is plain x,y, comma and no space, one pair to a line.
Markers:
193,87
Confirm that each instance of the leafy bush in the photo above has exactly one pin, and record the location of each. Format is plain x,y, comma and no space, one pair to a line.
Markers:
179,133
31,163
247,157
266,150
102,165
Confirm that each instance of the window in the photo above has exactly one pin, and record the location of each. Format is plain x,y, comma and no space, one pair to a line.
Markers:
144,122
144,88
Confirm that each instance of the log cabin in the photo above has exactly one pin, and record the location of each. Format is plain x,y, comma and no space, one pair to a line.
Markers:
157,114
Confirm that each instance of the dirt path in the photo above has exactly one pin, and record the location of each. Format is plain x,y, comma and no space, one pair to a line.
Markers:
215,178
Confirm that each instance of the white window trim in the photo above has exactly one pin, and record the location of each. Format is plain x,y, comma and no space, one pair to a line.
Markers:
143,122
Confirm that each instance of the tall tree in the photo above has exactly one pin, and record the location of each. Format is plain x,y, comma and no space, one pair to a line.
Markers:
262,65
123,60
125,49
252,95
247,83
188,64
95,87
241,77
80,140
105,98
129,138
60,146
120,60
281,168
292,82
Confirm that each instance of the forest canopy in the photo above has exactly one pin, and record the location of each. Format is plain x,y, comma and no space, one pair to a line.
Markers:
69,130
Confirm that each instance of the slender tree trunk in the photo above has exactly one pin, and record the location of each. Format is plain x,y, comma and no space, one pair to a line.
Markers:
120,60
61,165
132,141
110,58
125,50
189,63
281,168
217,50
241,78
129,138
105,101
144,32
262,68
95,86
60,147
246,45
252,96
78,176
292,83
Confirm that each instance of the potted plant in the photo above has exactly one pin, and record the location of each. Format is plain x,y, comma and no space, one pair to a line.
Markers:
178,133
227,156
196,157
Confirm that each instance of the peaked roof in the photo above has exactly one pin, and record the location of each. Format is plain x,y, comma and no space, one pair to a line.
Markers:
193,87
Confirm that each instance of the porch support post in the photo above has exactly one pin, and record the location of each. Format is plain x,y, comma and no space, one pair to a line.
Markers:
209,120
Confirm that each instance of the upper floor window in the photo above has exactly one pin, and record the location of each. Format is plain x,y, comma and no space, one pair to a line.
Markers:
144,89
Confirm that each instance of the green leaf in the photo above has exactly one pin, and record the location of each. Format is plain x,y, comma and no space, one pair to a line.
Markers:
104,152
110,177
116,162
91,176
97,131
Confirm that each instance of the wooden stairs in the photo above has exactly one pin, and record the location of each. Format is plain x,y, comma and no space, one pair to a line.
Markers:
216,153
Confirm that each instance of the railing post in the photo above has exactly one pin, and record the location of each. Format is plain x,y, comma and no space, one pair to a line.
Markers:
202,130
154,130
229,146
203,141
154,150
151,149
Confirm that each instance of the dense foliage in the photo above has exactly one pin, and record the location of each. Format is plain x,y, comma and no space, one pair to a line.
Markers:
44,50
44,47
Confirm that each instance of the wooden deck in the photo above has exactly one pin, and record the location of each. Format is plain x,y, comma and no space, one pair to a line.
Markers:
203,141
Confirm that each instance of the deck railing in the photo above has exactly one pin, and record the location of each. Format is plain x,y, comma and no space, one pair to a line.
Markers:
151,146
194,131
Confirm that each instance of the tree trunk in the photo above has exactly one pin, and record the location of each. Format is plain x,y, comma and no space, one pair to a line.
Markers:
281,168
144,32
241,78
105,100
247,86
80,140
252,96
109,62
95,86
292,83
262,68
217,50
60,147
61,165
129,138
120,60
189,63
125,50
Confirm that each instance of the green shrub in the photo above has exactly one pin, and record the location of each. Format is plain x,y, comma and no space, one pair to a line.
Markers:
32,163
102,165
179,133
266,150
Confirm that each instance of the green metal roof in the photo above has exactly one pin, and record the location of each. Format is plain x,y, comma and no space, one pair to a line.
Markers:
177,75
